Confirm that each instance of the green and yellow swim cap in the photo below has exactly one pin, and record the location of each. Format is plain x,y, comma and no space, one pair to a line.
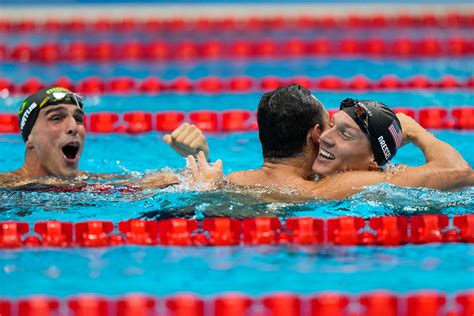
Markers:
31,106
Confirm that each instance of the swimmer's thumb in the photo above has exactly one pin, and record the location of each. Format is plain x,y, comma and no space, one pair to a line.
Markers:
167,139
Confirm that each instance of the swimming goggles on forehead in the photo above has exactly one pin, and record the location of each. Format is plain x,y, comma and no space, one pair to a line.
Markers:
361,114
57,97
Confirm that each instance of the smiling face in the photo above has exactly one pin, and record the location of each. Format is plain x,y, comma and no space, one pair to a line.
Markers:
56,141
343,147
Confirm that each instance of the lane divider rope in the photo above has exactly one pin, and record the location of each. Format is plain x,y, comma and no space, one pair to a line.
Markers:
237,84
162,50
374,303
234,120
346,230
453,19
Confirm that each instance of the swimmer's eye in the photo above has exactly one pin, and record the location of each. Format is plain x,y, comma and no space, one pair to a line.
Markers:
346,135
79,118
56,118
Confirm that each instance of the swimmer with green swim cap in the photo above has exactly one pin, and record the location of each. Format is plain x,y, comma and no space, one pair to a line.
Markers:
52,127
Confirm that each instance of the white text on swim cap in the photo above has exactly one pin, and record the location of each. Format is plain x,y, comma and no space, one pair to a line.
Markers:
27,114
385,149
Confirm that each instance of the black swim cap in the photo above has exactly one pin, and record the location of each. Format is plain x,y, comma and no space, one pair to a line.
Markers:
379,123
30,108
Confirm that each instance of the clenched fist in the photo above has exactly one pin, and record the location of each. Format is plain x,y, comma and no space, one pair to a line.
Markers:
187,140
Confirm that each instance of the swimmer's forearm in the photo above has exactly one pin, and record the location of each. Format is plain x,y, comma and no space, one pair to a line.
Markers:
157,180
104,175
436,151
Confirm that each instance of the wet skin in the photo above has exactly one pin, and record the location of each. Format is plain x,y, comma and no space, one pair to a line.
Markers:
55,144
343,147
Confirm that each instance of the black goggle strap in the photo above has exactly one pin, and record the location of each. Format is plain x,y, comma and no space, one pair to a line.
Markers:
361,114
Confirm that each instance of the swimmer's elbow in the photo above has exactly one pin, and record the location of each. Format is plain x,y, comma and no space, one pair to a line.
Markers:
455,177
466,174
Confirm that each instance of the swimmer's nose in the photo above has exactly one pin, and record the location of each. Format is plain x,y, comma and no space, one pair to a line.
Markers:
326,138
72,127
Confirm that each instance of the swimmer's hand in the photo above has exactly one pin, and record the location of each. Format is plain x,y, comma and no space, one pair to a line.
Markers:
201,175
187,140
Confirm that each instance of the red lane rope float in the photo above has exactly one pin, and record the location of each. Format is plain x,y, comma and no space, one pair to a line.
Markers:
105,51
235,120
239,84
251,24
374,303
347,231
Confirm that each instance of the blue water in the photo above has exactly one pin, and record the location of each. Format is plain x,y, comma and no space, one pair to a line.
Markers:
389,34
254,270
461,68
249,101
208,271
125,154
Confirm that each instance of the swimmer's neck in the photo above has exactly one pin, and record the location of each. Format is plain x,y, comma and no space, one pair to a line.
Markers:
294,166
32,169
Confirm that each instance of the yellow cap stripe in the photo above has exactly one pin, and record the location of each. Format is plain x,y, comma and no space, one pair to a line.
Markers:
44,102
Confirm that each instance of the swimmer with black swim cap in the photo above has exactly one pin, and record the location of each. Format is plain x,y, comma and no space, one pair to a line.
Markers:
362,138
364,135
379,123
52,127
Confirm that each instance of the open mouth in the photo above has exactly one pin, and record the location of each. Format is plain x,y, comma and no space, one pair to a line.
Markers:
70,150
326,154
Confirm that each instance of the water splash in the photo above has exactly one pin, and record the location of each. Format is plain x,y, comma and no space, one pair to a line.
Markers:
113,203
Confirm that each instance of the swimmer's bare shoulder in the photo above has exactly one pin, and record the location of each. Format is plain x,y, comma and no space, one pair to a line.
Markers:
13,180
246,177
9,179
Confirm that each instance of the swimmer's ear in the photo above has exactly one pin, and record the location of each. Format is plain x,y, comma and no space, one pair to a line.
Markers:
29,143
373,166
316,132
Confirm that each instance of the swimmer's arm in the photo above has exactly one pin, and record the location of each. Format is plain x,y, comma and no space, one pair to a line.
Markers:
103,175
187,140
156,180
199,175
10,180
346,184
445,169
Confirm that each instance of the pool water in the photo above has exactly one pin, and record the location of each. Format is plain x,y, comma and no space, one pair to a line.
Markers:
253,270
135,155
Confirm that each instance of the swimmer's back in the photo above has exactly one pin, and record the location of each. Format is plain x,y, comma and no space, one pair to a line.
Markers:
260,177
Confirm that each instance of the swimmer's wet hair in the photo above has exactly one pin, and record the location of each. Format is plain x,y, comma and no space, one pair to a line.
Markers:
284,117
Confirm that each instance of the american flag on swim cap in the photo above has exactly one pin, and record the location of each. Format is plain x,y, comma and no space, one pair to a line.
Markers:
396,133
